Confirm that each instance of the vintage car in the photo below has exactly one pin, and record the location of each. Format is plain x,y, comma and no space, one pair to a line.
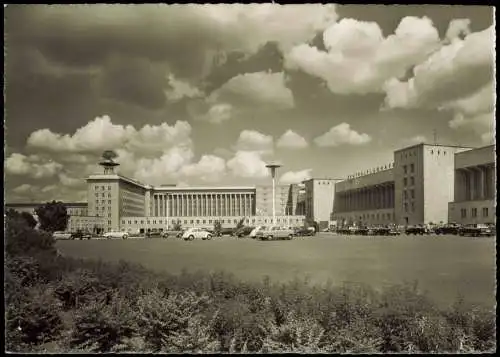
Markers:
243,231
449,228
417,230
115,234
60,235
196,233
275,233
475,230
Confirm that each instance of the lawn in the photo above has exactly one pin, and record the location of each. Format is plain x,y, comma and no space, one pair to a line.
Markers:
444,266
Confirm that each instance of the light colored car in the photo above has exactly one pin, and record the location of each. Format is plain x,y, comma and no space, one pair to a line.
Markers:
275,232
192,233
253,233
60,235
122,235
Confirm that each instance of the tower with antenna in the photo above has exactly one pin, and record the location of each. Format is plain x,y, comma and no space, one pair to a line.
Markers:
108,162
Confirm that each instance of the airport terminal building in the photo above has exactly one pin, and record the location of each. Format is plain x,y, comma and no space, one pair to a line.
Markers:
425,184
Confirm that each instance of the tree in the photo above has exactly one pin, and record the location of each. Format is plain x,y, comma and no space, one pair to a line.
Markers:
177,226
109,155
30,220
241,223
217,226
53,216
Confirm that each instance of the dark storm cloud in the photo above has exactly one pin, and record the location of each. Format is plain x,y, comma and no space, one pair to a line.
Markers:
267,58
134,80
388,19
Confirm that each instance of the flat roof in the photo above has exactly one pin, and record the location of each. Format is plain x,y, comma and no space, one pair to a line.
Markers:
27,204
206,188
441,145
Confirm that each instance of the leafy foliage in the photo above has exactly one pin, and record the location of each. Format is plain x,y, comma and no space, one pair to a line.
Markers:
217,226
53,216
241,223
177,226
22,240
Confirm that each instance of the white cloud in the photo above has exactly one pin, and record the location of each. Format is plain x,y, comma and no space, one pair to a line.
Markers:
453,72
252,140
219,113
291,177
359,59
180,89
265,22
291,140
209,168
248,164
101,134
24,188
19,164
342,134
70,181
458,28
260,88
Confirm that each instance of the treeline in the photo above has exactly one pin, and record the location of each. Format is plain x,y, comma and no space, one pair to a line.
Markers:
59,304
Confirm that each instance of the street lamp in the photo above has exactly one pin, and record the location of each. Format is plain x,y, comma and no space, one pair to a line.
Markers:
273,167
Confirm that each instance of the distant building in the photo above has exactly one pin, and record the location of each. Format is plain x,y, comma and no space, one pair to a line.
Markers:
319,199
415,189
474,196
79,219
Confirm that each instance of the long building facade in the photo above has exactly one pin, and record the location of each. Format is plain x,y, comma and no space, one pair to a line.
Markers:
474,194
414,189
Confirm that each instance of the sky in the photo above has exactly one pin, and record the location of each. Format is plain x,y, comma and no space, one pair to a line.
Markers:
208,94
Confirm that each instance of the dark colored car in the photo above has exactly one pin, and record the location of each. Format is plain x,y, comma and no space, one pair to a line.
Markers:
303,232
419,229
243,232
156,234
450,228
224,232
81,235
476,230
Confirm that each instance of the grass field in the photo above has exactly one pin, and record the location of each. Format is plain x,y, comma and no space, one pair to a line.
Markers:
444,266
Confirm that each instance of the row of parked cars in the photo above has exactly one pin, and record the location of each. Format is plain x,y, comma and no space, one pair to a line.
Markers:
474,230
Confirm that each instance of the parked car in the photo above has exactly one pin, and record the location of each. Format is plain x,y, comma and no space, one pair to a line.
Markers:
192,233
418,229
475,230
253,233
393,231
493,228
449,228
224,232
172,233
274,233
303,232
156,234
243,231
112,234
60,235
81,235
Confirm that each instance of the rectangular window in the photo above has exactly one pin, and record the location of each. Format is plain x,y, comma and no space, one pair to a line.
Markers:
204,221
109,195
405,169
412,193
197,221
109,214
192,221
412,168
185,221
135,221
109,222
129,222
474,212
97,195
154,222
485,211
412,181
109,187
142,222
109,201
413,206
405,181
160,221
210,221
463,213
406,207
405,194
103,195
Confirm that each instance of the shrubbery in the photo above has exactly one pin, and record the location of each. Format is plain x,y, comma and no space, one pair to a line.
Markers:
56,304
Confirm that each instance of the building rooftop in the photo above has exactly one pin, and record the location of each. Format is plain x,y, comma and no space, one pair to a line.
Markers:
29,204
441,145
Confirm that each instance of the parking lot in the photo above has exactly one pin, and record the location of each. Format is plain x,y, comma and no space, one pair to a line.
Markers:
443,265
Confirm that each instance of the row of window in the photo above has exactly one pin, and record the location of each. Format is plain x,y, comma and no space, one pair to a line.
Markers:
97,215
373,216
412,181
412,168
102,194
463,212
412,194
102,187
406,207
204,221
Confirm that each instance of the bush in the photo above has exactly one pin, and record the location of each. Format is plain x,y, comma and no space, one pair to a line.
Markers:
100,327
79,288
22,240
162,316
33,319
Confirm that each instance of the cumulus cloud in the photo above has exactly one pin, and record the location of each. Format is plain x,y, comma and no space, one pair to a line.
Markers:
291,177
19,164
248,164
24,188
342,134
252,140
453,72
180,89
458,28
260,88
359,59
209,168
291,140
